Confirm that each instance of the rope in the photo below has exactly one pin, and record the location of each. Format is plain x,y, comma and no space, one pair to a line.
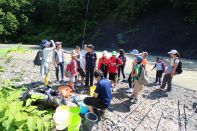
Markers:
85,23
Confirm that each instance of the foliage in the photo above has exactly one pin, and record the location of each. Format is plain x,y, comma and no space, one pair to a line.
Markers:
5,52
30,21
16,116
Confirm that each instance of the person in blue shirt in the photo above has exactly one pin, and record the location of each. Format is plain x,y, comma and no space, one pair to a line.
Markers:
102,96
90,58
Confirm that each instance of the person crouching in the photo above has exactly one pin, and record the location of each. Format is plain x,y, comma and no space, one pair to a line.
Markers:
102,96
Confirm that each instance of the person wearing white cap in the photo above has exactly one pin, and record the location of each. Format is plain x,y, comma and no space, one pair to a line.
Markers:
47,54
103,63
59,61
171,70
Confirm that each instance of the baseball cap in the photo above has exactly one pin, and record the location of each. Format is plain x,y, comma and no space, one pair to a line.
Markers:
134,52
173,52
105,53
139,58
114,53
90,46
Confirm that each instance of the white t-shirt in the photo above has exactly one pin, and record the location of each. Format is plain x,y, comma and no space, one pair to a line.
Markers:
174,61
159,66
47,54
60,55
82,59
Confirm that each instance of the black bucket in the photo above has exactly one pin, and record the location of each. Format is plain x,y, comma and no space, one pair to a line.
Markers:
90,120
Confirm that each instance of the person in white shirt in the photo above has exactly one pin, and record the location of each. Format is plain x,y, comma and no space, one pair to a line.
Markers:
171,70
59,60
160,68
47,54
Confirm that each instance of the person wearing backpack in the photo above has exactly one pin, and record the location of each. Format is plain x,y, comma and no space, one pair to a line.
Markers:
47,54
114,63
103,64
121,68
137,69
160,68
59,61
174,68
90,58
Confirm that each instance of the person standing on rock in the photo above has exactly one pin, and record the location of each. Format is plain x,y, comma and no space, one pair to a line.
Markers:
102,96
114,63
83,63
134,53
103,64
137,68
90,58
121,68
144,56
59,61
160,68
171,70
73,67
47,54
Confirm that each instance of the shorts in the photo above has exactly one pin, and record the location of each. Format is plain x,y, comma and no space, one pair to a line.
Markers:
72,79
94,102
113,76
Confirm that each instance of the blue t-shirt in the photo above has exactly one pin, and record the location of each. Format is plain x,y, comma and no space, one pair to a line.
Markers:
103,89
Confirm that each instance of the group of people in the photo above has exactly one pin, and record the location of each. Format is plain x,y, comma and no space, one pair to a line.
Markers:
107,72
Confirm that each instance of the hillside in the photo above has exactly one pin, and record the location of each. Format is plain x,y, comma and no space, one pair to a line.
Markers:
156,32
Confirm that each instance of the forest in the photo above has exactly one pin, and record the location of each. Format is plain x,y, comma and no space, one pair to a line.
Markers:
29,21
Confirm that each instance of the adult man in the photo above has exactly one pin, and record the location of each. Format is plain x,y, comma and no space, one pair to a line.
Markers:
90,58
102,96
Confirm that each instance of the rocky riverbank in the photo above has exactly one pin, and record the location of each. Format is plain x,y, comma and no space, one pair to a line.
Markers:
155,110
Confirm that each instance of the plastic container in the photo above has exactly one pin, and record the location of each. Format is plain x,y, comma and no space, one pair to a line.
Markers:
90,120
92,89
83,108
74,123
74,111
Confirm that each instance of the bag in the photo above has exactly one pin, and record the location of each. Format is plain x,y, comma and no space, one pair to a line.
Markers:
179,69
38,58
143,78
68,70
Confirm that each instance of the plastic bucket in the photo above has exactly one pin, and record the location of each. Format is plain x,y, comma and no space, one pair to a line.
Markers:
74,111
90,120
74,123
92,89
83,108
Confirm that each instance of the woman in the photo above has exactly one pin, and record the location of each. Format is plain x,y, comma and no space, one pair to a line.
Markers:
121,68
160,67
103,64
59,61
137,68
171,70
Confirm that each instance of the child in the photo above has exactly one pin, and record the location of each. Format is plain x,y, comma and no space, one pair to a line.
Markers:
136,74
121,68
59,61
160,68
113,65
73,67
103,64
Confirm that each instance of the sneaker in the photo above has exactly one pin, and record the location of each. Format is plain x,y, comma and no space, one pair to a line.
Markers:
114,89
134,100
130,90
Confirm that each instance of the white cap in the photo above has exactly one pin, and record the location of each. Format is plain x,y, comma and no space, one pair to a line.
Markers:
173,52
105,53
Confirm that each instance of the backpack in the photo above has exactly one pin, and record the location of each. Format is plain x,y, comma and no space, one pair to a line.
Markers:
68,70
38,58
143,78
179,69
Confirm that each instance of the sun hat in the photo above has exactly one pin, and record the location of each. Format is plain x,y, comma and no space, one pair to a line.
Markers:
134,52
173,52
105,53
114,53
